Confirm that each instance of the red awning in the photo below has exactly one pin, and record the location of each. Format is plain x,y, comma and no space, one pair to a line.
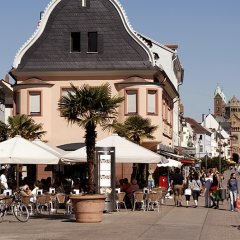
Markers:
187,161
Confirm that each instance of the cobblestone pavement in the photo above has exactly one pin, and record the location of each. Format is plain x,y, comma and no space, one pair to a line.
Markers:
169,223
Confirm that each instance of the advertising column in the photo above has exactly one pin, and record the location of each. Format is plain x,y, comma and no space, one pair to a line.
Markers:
105,175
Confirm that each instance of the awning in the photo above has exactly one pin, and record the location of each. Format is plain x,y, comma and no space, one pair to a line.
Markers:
171,154
187,161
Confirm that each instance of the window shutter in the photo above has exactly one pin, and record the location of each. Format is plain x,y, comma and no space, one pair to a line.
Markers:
35,103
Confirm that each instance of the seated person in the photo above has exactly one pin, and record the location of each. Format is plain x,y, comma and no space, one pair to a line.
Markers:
59,187
36,186
130,193
132,188
125,185
25,191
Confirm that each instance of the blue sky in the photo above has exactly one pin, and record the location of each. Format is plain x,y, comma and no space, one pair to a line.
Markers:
207,32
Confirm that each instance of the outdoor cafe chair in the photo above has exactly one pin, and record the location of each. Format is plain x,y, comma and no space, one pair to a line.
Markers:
43,204
162,194
60,200
139,197
153,200
120,197
26,201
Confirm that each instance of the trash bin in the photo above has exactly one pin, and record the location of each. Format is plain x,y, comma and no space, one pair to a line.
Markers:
109,203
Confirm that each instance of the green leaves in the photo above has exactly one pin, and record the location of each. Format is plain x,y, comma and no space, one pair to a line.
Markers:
24,126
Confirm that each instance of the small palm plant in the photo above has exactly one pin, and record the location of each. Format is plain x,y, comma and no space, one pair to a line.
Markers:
24,126
136,129
89,107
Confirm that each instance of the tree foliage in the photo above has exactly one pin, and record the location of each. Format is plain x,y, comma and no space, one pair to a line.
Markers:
24,126
89,107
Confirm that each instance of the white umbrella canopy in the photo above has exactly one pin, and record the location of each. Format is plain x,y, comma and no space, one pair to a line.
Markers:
125,151
170,163
55,150
18,150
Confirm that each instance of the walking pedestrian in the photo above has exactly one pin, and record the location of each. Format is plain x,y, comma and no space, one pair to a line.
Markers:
208,184
177,186
233,190
188,190
196,187
214,190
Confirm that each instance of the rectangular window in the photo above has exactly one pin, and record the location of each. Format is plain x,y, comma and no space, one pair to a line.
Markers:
92,42
35,103
75,42
131,102
17,103
151,102
200,148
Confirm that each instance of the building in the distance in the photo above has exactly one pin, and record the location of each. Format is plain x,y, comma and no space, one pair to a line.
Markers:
227,113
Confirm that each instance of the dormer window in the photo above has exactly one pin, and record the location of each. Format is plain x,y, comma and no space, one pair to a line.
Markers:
92,42
75,42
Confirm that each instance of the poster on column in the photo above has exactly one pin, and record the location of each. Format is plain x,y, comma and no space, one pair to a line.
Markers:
105,171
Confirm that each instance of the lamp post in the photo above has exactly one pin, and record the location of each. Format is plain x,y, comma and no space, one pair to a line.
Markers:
219,149
220,160
206,158
199,146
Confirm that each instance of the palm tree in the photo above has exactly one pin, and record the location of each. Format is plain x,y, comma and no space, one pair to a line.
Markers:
89,107
136,129
24,126
3,131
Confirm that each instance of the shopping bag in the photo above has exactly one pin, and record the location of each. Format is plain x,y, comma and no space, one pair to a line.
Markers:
237,203
188,191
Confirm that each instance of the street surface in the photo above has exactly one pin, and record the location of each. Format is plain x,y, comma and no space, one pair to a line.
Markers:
170,223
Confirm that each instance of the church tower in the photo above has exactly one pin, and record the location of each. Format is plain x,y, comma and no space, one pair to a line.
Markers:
220,102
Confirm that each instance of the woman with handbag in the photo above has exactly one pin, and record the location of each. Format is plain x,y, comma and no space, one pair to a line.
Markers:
196,187
233,190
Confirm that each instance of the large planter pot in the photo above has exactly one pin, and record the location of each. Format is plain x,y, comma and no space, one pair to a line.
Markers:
88,208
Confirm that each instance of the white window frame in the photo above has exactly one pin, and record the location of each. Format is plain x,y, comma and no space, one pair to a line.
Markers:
151,102
131,101
35,103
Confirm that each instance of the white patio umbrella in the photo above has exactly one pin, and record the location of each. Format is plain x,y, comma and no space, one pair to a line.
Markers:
55,150
170,163
125,152
18,150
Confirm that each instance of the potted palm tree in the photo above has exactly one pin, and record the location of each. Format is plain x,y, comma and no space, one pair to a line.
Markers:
89,107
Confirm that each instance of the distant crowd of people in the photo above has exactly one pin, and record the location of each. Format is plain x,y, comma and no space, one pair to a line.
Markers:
207,183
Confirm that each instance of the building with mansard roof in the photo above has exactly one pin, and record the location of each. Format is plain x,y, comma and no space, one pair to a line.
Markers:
92,42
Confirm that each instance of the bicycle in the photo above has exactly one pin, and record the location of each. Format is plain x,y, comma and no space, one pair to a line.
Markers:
14,203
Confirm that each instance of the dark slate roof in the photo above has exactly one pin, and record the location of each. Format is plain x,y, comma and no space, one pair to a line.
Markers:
117,49
197,128
72,146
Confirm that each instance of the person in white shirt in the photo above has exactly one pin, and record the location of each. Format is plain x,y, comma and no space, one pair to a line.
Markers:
3,179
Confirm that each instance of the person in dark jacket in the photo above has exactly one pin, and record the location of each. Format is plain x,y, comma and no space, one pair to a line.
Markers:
177,186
